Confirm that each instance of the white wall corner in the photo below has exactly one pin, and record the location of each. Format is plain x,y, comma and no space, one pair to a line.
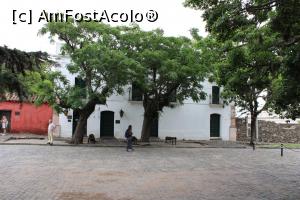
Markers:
232,129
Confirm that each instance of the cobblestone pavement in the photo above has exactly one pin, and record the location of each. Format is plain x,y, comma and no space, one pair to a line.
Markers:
64,172
59,141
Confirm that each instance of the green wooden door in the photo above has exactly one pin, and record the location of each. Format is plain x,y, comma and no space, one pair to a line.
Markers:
107,124
215,125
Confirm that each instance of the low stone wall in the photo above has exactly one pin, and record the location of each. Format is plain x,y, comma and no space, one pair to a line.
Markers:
270,132
241,133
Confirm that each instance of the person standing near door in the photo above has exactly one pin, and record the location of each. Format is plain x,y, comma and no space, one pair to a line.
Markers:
4,124
128,135
51,128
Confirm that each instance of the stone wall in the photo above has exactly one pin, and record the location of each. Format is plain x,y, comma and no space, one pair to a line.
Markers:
270,132
241,133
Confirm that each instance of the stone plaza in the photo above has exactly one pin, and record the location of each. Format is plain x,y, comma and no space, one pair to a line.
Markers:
65,172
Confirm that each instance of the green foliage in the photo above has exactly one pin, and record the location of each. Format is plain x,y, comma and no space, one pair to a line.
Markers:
247,71
48,86
13,64
286,87
167,65
96,58
260,39
107,58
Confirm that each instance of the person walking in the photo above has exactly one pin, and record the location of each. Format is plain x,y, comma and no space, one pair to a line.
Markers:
128,135
4,124
51,128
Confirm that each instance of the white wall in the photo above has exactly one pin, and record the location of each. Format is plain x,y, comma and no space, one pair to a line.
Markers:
192,121
65,126
188,121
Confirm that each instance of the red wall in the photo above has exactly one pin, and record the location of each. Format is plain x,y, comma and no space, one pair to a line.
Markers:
32,119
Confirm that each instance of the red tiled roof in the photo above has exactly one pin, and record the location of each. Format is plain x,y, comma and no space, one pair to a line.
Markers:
15,97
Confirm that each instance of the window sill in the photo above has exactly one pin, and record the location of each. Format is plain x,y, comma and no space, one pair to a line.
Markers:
216,105
134,101
215,138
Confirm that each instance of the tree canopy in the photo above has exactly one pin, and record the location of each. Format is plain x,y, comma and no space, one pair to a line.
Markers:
258,59
170,71
96,60
13,64
107,58
228,21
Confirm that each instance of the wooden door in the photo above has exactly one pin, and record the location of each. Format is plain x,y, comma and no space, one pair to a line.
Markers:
215,125
107,124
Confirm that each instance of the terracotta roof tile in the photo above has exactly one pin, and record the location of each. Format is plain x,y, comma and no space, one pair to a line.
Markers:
15,97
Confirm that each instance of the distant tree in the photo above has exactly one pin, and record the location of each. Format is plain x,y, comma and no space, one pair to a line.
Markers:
13,64
170,71
96,60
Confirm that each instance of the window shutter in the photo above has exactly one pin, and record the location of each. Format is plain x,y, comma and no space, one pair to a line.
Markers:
79,82
215,95
173,96
137,93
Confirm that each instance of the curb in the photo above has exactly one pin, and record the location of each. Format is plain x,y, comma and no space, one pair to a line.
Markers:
123,146
276,147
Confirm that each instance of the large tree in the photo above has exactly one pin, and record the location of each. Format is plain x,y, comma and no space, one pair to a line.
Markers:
170,70
286,22
13,64
249,54
227,18
96,60
247,72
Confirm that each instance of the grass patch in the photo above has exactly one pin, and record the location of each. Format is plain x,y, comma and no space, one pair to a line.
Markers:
277,145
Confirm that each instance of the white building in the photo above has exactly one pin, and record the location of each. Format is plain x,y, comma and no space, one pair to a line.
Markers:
208,119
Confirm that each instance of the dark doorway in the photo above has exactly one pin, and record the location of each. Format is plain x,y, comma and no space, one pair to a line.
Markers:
154,128
214,125
107,124
6,113
75,121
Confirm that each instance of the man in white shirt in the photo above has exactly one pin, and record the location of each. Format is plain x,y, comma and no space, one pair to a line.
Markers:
51,128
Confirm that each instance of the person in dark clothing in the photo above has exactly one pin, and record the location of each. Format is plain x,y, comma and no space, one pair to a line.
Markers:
128,135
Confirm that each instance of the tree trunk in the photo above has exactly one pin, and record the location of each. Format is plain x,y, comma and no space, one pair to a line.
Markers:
80,130
146,129
84,114
253,129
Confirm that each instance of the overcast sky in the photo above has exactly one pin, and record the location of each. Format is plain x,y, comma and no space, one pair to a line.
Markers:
173,18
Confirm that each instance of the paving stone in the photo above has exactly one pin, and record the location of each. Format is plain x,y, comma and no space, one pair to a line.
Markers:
66,172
